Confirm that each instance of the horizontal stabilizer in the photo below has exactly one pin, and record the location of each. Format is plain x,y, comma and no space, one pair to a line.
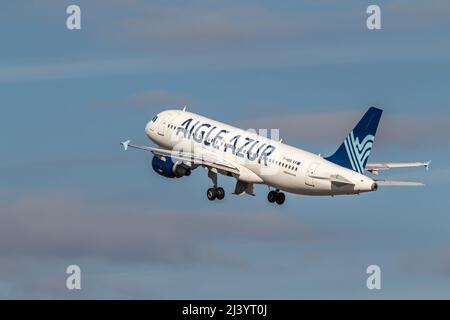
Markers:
393,183
374,167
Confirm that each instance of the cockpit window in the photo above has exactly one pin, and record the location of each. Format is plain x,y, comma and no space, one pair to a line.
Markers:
154,118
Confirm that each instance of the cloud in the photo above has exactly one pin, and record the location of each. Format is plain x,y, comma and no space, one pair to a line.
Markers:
41,234
418,16
169,28
124,38
434,261
331,128
203,27
58,226
28,278
68,162
150,99
156,98
68,70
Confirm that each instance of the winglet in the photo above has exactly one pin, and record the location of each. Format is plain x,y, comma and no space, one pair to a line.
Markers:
125,144
184,109
427,165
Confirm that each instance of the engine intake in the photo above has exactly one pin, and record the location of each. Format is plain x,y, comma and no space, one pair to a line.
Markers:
167,168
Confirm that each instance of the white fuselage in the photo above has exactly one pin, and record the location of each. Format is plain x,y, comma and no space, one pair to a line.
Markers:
261,159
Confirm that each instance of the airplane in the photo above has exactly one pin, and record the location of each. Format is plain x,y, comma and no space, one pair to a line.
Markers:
187,141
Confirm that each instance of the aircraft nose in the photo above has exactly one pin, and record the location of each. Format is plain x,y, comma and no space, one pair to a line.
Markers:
149,128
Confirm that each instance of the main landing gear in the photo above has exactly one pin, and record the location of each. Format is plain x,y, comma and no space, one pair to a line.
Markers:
276,196
214,192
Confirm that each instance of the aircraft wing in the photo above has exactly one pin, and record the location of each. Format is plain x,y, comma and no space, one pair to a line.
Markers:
203,158
376,166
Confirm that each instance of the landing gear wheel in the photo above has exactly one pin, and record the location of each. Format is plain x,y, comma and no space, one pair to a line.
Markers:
220,193
272,196
280,198
211,194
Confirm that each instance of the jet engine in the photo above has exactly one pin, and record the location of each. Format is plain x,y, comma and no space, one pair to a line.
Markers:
166,167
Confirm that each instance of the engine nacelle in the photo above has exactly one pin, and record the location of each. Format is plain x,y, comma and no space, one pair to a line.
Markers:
167,168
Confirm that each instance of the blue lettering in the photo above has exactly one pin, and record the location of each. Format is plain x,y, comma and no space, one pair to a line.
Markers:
218,137
267,151
184,129
259,149
198,137
252,156
206,142
232,145
192,128
239,153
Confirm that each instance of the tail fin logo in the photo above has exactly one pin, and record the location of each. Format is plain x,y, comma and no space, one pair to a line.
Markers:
358,152
355,150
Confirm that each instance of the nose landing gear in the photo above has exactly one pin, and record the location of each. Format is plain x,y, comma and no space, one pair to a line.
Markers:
276,196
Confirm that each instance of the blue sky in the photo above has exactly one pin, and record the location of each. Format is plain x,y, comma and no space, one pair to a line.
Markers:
70,195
